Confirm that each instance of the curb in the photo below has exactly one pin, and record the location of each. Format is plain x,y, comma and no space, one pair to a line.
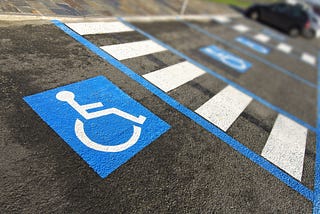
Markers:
15,17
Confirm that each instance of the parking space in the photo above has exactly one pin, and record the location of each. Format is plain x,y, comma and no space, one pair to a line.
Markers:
213,118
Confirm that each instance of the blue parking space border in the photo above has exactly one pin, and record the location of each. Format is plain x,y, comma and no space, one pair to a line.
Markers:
316,203
259,48
275,171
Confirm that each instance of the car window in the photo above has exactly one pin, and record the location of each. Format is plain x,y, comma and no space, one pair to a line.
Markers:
297,12
280,8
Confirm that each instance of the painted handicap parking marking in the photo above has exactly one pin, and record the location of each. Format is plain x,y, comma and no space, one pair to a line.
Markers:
100,122
253,45
69,97
226,58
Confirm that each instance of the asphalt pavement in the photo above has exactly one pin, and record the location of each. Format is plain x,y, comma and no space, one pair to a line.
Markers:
220,125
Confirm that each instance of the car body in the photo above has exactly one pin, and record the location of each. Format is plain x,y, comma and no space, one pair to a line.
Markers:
293,19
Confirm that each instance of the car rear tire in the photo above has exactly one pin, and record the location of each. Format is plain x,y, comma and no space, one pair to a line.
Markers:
294,32
309,34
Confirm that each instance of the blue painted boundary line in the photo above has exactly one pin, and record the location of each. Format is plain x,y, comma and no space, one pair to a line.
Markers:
285,178
316,203
224,79
233,46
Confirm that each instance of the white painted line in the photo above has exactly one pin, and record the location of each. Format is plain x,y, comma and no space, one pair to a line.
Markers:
133,49
284,48
221,19
285,146
86,28
241,28
225,107
318,33
173,76
262,38
308,58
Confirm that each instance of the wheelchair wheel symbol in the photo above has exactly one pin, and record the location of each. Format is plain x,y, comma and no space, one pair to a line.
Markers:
69,97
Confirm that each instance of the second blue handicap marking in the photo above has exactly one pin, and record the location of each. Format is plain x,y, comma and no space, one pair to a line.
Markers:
253,45
226,58
100,122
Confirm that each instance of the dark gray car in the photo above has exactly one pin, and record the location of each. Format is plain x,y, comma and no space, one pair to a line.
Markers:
292,19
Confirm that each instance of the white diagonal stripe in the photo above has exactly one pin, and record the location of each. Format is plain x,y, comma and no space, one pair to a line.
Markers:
285,146
221,19
241,28
262,38
308,58
284,47
173,76
133,49
86,28
225,107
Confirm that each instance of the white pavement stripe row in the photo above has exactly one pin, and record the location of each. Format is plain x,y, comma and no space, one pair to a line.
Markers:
308,58
86,28
225,107
286,143
173,76
241,28
285,146
262,38
133,49
284,47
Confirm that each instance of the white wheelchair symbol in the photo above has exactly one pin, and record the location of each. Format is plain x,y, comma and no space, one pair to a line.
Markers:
228,59
67,96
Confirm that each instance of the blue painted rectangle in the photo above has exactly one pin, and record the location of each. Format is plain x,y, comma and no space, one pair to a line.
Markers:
100,122
226,58
253,45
